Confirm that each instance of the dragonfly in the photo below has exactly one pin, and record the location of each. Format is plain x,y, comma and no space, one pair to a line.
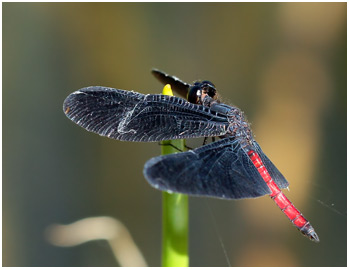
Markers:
234,167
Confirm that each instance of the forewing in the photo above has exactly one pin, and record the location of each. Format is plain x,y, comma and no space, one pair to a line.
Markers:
220,169
132,116
275,174
179,86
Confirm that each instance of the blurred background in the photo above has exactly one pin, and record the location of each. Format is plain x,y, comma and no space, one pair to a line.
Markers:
283,64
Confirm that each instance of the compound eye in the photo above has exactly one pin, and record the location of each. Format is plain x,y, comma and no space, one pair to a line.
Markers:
194,94
208,83
209,88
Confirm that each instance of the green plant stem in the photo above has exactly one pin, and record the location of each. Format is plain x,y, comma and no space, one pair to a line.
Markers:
175,230
175,220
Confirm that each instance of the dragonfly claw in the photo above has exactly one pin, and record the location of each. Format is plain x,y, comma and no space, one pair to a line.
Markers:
309,232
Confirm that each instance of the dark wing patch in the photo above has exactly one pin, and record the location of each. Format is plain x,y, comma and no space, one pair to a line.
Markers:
132,116
179,86
221,169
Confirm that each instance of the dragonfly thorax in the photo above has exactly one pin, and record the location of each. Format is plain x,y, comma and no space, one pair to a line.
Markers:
238,125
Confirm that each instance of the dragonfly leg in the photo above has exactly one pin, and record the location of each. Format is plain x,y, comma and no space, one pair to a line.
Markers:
205,141
171,145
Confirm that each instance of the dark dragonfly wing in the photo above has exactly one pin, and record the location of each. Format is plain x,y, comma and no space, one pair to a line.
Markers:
132,116
179,86
221,169
275,174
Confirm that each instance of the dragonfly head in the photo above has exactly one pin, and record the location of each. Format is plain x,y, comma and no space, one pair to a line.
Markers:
200,90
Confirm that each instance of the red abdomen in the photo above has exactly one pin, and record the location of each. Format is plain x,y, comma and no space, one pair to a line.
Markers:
282,201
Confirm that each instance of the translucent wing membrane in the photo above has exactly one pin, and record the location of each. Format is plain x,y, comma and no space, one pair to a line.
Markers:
275,174
221,169
132,116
